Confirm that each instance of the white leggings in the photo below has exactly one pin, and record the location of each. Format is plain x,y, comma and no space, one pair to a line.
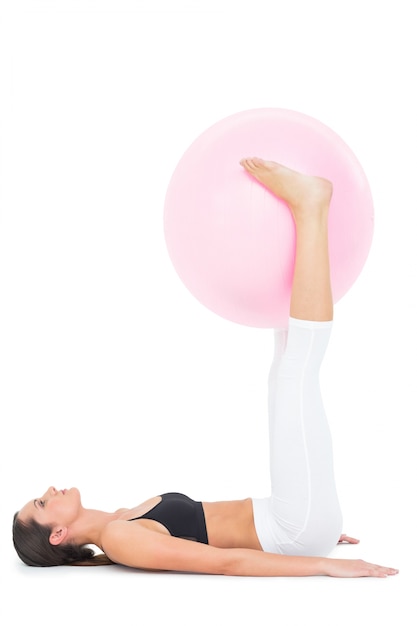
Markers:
302,516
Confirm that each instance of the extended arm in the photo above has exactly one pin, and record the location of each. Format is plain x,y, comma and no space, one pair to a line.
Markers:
143,548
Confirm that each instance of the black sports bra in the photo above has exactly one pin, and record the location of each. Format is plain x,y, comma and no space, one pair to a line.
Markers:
181,516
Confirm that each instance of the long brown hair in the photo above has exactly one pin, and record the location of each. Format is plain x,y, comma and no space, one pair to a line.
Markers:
31,542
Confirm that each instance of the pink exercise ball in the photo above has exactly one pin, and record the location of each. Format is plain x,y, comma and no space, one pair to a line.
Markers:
232,242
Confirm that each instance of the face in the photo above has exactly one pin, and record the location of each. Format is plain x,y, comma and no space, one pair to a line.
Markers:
54,508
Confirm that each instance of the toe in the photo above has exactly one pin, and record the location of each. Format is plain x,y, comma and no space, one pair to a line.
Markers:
257,162
247,164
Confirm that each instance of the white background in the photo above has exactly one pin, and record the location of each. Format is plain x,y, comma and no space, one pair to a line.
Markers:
113,377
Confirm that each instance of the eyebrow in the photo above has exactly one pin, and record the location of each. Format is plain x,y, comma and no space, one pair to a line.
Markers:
35,504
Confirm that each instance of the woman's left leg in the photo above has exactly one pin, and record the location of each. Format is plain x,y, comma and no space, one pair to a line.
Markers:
303,515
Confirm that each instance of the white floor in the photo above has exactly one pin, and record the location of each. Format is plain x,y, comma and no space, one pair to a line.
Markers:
113,377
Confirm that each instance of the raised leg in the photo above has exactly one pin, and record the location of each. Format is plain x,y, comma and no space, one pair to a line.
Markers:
302,516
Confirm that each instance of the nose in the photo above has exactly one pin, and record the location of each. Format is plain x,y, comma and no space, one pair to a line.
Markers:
51,492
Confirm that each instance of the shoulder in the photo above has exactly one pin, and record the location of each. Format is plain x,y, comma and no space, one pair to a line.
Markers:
121,537
119,532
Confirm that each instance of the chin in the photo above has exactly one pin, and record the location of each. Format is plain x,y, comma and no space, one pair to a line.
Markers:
74,492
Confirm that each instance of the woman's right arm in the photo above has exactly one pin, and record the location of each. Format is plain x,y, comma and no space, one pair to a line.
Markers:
135,546
254,563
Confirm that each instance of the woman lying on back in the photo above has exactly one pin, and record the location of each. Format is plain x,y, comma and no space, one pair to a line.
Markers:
288,534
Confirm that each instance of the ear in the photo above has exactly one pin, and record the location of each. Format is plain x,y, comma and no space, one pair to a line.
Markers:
58,535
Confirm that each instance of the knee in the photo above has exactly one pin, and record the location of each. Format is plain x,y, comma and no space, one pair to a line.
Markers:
323,535
318,538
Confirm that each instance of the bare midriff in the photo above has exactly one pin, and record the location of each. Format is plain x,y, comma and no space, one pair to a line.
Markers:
230,524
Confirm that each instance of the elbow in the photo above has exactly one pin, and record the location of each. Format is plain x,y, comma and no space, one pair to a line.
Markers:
231,563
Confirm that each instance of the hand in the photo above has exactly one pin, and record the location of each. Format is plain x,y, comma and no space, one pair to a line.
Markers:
346,539
344,568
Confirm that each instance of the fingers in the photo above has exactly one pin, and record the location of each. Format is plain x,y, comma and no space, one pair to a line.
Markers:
346,568
378,571
346,539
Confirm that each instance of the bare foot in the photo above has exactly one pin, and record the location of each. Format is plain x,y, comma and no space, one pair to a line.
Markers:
300,191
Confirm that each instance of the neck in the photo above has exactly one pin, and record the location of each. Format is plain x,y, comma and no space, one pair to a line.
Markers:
89,526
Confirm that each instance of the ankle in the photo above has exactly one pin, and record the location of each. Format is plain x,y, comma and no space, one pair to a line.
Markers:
311,215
